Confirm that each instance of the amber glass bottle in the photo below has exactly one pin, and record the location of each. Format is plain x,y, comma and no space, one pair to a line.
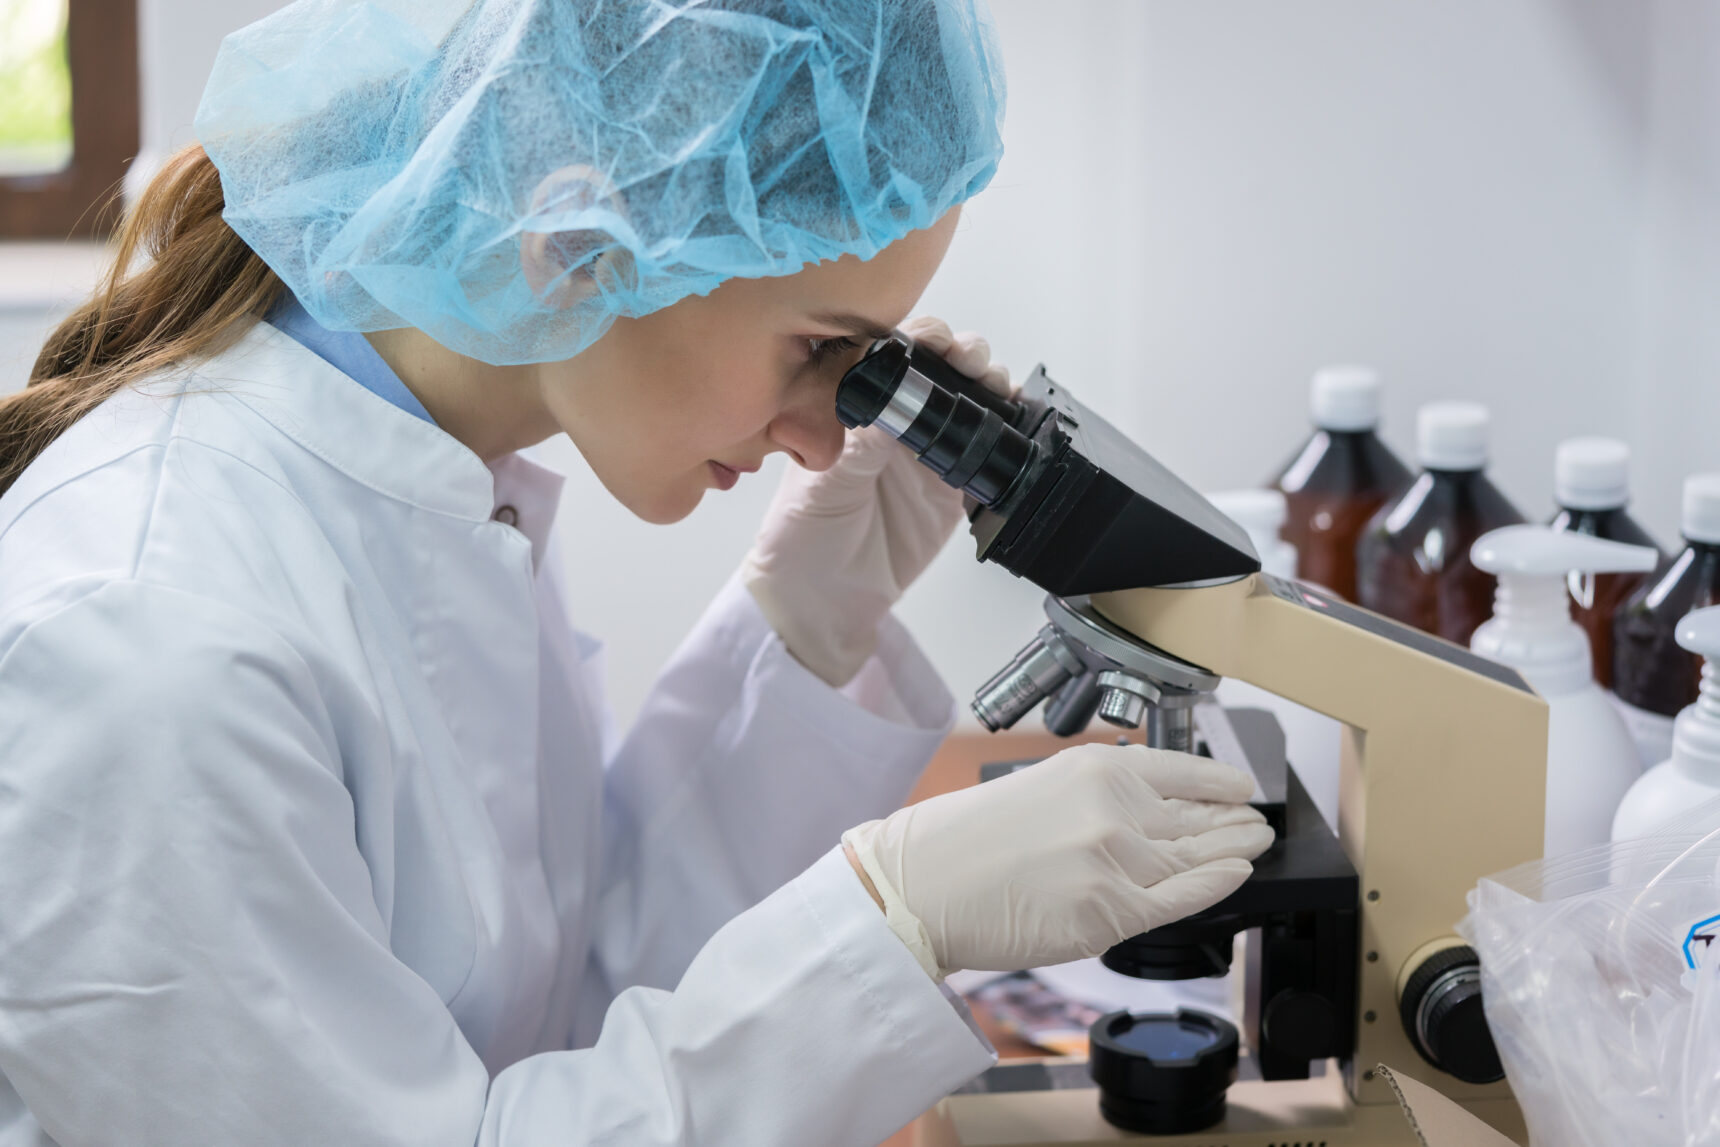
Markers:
1652,675
1412,563
1591,483
1338,479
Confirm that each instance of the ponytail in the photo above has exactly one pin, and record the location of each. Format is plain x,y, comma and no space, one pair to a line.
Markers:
196,288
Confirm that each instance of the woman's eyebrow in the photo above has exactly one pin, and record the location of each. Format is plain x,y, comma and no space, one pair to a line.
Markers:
854,324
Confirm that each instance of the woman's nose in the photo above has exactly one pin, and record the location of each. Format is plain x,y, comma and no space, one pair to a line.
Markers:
810,431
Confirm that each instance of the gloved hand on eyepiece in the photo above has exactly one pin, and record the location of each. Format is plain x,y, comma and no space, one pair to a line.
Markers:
1061,860
838,547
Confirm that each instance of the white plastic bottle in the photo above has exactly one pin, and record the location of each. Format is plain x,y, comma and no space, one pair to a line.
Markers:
1591,758
1691,776
1262,514
1652,680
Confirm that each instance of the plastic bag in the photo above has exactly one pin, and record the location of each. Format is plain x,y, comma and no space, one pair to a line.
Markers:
1600,977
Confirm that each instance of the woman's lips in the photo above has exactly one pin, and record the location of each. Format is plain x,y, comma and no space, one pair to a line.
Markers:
724,476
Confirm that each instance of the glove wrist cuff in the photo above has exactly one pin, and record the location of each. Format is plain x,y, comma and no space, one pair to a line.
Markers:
831,656
900,920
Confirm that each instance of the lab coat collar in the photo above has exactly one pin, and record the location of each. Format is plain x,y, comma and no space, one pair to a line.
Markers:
532,492
376,443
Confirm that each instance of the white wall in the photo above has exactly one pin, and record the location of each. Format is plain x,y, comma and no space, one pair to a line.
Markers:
1204,200
1672,409
177,40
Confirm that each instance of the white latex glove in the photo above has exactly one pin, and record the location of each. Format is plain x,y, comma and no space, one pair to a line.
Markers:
1061,860
838,548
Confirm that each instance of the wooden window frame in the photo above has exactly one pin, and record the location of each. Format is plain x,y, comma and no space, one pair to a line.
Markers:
77,201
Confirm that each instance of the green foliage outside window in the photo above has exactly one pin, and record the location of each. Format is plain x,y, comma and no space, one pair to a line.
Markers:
35,87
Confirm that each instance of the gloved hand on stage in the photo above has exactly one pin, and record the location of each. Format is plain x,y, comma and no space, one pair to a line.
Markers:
838,547
1061,860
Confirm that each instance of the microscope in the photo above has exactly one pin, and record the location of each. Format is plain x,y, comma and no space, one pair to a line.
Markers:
1154,596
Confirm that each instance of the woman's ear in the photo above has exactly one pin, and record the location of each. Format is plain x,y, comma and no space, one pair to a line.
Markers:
564,267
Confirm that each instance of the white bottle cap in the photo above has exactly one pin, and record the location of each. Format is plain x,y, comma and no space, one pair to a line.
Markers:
1346,398
1257,511
1702,508
1451,436
1592,474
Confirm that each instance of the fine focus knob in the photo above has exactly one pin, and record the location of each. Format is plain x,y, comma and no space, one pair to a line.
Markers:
1441,1010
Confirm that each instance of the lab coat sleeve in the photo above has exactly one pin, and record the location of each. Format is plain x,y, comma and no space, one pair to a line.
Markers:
741,769
193,952
829,1032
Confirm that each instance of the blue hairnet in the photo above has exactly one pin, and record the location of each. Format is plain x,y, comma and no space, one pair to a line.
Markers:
511,175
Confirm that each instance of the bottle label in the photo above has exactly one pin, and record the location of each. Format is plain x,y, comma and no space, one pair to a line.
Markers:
1652,732
1696,944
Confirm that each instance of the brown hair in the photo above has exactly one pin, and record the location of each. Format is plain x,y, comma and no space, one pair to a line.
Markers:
196,287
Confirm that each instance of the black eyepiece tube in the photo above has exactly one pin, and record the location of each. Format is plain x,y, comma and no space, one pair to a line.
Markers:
955,425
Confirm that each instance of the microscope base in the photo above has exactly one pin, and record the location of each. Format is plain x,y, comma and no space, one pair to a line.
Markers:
1292,1113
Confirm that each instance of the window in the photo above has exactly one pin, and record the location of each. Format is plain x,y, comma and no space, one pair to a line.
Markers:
68,113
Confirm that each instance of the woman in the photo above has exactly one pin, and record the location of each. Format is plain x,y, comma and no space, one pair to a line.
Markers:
312,827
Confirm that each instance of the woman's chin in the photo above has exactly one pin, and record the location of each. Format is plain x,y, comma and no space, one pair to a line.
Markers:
665,508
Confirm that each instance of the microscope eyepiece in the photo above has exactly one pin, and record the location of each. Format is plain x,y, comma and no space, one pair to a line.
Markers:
955,425
870,389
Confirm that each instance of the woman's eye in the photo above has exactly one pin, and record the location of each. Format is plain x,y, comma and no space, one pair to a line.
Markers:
820,350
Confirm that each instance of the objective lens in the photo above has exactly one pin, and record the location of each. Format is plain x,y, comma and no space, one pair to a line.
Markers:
954,425
1035,673
1072,709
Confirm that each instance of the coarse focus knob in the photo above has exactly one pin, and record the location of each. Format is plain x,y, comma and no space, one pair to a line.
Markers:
1441,1011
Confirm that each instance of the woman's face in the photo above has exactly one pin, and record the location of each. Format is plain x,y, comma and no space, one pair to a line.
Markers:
691,397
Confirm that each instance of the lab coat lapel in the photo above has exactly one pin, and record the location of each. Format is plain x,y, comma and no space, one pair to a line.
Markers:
466,574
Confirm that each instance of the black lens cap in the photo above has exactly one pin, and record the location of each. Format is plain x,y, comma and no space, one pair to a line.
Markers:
1163,1074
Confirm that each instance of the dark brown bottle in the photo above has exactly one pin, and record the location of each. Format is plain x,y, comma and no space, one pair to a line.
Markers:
1591,483
1651,673
1412,563
1338,479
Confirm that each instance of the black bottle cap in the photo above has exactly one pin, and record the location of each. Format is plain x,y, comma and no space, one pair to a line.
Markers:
1162,1074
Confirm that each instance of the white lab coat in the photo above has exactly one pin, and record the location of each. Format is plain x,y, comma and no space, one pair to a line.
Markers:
309,832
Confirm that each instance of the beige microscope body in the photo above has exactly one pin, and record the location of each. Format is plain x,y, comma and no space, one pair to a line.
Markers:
1444,756
1443,782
